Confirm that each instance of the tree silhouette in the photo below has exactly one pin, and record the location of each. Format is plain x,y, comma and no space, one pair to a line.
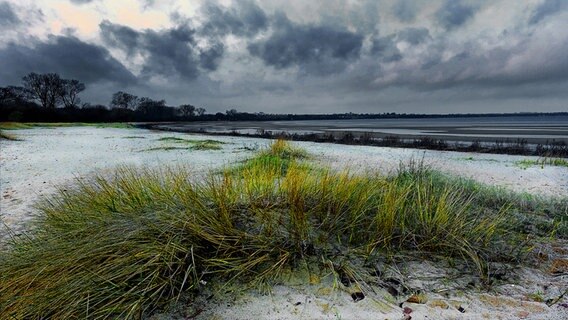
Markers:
47,88
231,113
69,93
187,110
147,105
124,100
13,95
199,112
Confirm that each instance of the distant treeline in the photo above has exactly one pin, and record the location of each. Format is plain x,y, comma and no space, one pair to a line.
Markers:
50,98
233,115
30,111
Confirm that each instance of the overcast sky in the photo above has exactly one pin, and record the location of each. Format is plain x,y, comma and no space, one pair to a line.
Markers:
317,56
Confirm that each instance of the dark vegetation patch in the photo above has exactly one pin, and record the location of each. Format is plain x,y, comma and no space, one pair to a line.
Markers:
542,162
184,144
176,139
167,148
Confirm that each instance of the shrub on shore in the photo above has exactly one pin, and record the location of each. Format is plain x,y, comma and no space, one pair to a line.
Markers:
121,246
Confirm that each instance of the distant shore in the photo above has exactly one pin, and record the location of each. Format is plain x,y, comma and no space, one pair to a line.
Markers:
445,138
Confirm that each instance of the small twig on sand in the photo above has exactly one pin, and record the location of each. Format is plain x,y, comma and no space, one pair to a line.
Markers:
552,302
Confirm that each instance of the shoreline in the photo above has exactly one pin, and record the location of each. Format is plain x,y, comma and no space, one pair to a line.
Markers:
557,149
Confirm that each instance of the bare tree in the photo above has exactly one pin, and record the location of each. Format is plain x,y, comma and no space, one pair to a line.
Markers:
147,105
199,112
124,100
187,110
46,88
70,91
5,95
13,94
231,113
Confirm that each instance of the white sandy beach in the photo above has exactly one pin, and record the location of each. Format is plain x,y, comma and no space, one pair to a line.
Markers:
49,158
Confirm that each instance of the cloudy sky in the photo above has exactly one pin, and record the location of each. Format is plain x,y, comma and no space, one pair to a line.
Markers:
300,56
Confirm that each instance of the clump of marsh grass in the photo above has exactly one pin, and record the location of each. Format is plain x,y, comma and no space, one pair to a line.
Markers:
533,214
121,246
102,250
14,126
542,162
277,157
282,149
207,144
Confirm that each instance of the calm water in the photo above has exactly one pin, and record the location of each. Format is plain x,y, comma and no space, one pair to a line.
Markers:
533,128
489,122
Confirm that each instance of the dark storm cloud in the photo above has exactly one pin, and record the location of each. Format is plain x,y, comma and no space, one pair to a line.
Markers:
547,8
118,36
209,59
454,13
66,55
244,19
471,68
320,49
386,47
405,10
168,52
330,55
414,36
8,18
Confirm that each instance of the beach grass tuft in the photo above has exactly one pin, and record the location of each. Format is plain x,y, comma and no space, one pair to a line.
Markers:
120,246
